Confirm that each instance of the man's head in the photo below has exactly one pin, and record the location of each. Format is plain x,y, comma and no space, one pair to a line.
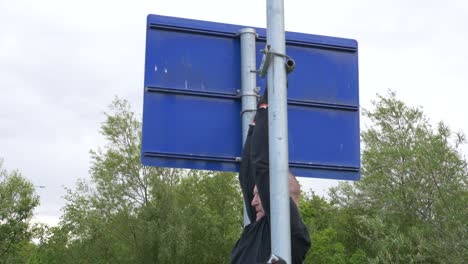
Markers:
257,203
294,193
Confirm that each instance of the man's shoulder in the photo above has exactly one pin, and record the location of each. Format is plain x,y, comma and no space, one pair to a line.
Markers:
254,244
260,224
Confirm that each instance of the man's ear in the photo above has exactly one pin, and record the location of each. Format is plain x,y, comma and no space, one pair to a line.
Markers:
294,188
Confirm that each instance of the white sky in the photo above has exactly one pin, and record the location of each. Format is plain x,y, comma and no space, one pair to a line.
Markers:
62,62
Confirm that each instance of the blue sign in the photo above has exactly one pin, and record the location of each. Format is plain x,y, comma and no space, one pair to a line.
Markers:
191,115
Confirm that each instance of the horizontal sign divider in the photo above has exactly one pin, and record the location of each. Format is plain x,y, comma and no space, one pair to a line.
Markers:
153,89
191,157
193,30
259,37
322,167
323,105
298,165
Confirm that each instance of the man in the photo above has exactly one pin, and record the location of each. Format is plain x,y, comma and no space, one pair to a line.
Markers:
254,245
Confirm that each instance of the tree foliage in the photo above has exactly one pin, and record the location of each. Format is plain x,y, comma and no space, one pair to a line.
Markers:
410,205
129,213
17,202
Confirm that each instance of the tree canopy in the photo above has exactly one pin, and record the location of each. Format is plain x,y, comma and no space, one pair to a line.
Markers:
17,202
408,207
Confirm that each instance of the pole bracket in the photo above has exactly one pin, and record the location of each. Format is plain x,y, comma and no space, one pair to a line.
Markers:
255,94
247,110
267,58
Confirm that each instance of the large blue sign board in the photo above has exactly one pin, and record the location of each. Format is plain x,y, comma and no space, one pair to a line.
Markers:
191,115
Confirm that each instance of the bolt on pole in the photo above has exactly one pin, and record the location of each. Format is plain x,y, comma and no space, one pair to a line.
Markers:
248,85
278,133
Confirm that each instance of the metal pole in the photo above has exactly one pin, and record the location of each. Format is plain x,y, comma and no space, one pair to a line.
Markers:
248,83
278,134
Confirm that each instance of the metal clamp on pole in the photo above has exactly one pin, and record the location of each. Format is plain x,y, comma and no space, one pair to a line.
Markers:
268,54
255,95
266,60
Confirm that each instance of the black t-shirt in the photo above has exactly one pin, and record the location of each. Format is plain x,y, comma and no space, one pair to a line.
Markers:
254,245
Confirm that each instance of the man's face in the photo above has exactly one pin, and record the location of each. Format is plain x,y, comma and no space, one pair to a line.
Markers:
257,203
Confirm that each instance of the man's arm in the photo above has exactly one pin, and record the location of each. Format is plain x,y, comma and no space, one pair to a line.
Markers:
246,176
260,158
260,164
300,239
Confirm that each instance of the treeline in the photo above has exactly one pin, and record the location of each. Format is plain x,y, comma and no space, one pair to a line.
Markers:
409,207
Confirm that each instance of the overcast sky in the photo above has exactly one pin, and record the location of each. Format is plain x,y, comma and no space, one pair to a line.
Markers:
62,62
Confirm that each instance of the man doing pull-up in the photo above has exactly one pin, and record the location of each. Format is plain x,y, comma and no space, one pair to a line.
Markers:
254,245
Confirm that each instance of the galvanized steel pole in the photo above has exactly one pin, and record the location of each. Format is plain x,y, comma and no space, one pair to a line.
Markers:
278,133
248,86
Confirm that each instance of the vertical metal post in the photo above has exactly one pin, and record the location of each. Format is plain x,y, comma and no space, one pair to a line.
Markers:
278,134
248,83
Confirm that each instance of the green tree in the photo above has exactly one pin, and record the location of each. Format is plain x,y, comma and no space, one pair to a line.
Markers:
211,207
51,246
332,232
17,202
129,213
410,205
106,216
358,257
316,212
326,248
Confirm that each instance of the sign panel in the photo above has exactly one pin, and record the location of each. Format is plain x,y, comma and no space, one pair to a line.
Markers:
191,115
